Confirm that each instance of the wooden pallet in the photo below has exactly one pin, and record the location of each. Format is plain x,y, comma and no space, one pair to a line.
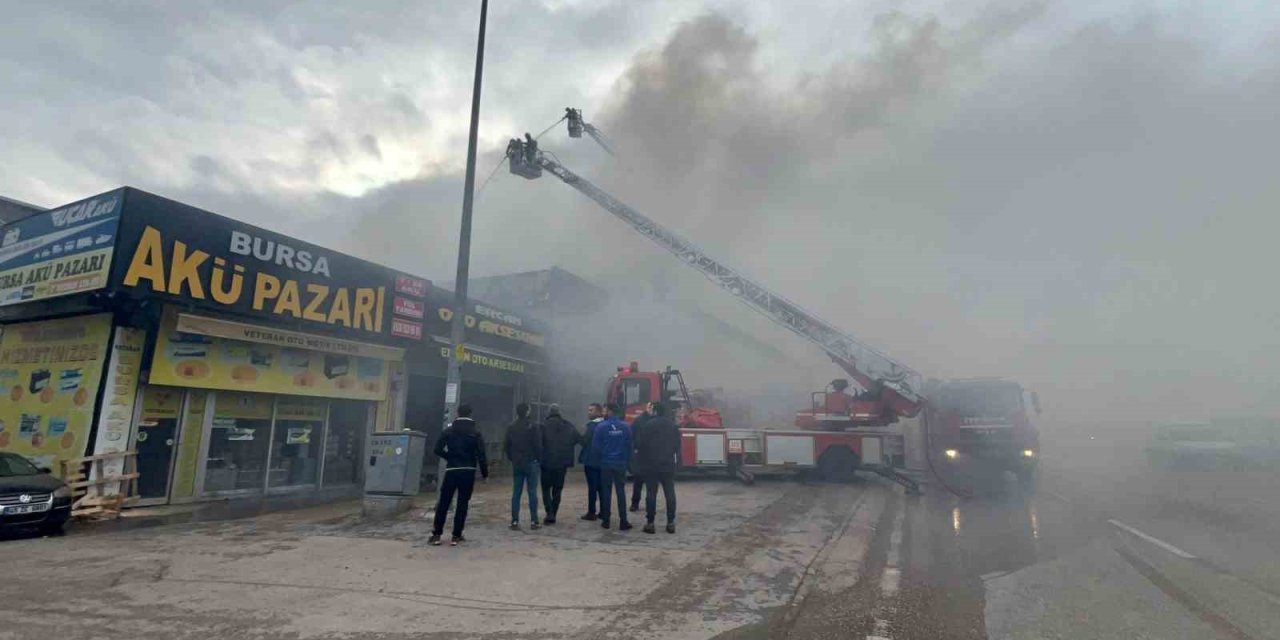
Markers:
105,495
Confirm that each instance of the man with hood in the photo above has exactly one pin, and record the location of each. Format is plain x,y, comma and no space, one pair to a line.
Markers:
462,448
559,437
590,459
612,443
523,447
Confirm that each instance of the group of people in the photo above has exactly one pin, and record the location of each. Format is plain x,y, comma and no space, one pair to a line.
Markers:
541,454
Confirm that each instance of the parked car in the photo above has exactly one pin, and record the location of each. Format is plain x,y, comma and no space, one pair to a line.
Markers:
1222,446
30,497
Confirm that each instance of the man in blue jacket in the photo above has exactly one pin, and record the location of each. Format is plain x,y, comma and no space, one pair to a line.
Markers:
590,459
612,443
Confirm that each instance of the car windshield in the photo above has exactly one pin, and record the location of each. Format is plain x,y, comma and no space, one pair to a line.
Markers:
981,400
13,465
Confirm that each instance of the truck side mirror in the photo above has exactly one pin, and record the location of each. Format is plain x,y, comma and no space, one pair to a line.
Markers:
1035,401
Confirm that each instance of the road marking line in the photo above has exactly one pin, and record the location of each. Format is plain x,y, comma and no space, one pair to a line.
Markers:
889,582
1057,496
891,579
1153,540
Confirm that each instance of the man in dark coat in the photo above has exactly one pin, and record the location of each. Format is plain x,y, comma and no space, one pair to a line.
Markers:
637,470
523,446
559,437
462,448
658,452
590,458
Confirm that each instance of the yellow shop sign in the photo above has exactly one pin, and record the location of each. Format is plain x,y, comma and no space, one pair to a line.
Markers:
212,362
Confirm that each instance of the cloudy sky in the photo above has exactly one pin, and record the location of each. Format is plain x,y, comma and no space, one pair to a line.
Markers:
1080,194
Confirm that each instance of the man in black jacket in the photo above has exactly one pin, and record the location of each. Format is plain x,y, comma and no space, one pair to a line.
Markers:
523,446
462,448
637,467
559,437
658,453
591,459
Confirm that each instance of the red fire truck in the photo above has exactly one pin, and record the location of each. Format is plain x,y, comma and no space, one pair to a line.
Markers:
708,444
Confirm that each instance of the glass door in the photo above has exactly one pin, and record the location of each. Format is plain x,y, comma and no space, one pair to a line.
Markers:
157,434
297,442
238,442
344,446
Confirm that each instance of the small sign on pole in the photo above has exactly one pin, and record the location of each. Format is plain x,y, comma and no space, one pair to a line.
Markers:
451,393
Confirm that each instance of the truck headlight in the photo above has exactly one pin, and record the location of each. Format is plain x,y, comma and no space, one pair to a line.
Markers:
1028,453
951,454
62,492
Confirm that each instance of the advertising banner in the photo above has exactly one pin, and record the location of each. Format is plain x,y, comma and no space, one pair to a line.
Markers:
121,384
49,373
219,328
486,326
183,254
489,361
209,362
60,252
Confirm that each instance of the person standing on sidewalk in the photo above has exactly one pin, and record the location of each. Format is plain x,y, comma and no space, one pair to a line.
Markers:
658,452
612,442
559,437
462,448
590,458
637,473
523,446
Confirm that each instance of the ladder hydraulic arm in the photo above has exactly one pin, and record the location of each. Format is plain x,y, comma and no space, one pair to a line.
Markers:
899,387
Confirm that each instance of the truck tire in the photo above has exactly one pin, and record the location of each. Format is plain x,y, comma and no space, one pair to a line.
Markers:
838,464
1027,478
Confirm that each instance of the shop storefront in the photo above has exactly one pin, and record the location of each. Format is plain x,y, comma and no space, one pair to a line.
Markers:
234,360
54,339
232,408
503,363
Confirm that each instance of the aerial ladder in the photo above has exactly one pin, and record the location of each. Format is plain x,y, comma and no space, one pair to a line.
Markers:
889,389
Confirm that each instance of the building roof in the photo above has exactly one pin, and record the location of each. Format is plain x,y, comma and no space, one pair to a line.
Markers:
12,210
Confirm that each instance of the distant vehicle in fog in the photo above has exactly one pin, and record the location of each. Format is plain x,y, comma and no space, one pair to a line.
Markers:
1224,446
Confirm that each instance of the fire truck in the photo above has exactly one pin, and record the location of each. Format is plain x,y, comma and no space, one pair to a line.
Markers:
980,428
708,444
837,434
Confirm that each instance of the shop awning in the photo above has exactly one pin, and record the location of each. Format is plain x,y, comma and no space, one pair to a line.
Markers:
232,330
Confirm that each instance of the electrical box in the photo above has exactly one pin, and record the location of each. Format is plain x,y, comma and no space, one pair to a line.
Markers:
395,462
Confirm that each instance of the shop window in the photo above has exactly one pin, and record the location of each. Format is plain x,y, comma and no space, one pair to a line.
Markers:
297,441
344,447
238,442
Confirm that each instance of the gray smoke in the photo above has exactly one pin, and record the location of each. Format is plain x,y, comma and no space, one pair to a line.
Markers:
1091,219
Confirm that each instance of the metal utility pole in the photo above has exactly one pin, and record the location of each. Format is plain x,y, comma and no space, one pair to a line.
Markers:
453,384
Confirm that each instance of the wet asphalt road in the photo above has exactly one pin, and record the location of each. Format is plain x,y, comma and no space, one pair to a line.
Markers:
1069,559
1085,555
